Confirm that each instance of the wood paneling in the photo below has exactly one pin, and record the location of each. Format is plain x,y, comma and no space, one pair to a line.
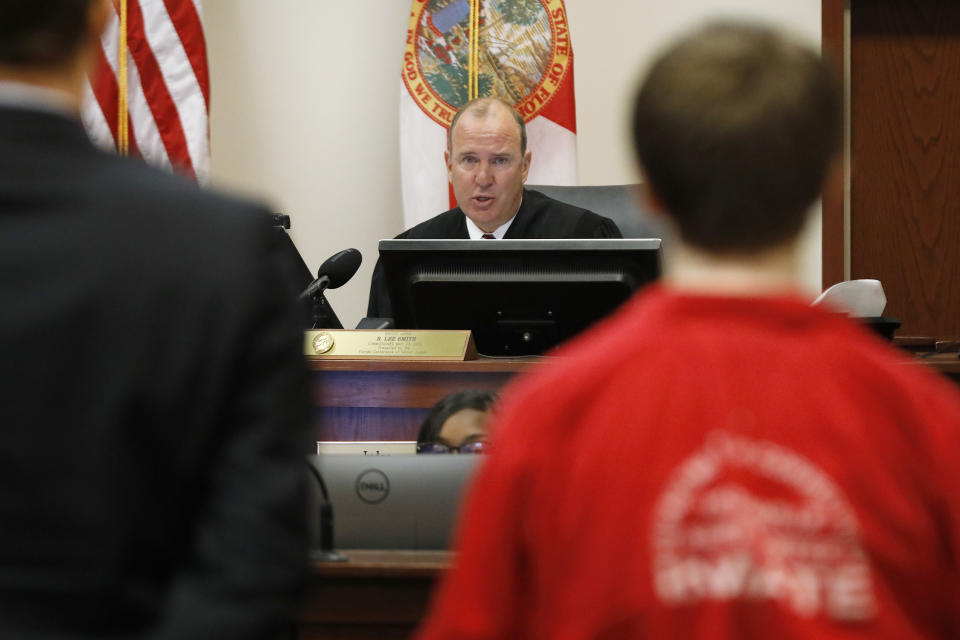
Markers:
382,403
357,400
402,389
365,424
905,171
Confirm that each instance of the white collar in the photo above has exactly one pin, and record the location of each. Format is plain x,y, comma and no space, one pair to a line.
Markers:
31,96
476,233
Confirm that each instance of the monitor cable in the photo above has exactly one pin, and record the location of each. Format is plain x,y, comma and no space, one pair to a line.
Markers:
325,553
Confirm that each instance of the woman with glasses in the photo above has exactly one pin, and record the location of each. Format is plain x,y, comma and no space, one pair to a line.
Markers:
458,423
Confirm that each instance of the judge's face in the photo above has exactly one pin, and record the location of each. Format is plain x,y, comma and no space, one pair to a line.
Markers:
486,168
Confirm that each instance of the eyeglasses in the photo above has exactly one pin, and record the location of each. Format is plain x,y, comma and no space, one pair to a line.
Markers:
438,447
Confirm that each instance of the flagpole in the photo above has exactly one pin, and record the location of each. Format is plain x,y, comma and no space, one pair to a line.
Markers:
473,66
123,132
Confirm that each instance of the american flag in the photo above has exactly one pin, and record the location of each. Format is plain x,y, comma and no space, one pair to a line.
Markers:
168,86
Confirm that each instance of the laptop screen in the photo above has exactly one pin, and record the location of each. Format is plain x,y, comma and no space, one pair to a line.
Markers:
396,501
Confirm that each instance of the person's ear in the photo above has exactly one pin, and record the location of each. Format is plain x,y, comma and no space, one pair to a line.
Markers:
446,160
648,199
84,60
97,17
527,157
833,178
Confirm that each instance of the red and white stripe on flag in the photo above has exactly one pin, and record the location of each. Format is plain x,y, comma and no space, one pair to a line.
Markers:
168,86
524,56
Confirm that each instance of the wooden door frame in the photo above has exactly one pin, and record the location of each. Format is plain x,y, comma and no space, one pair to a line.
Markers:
833,234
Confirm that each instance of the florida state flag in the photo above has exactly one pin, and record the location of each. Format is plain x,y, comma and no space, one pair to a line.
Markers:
457,50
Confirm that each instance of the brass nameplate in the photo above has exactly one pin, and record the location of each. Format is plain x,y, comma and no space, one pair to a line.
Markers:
395,344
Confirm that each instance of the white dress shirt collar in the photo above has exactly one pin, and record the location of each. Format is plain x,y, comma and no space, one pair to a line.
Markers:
476,232
29,96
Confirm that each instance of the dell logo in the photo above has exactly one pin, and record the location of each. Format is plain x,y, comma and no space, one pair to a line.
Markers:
373,486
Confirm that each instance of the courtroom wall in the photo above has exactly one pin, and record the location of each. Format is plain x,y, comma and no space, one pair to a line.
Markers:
304,107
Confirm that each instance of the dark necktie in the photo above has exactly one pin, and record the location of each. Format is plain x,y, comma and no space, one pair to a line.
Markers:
488,236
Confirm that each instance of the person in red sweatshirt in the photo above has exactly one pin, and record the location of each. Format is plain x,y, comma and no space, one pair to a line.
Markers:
719,459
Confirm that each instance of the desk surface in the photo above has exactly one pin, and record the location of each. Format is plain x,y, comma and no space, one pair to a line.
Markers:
480,365
385,563
945,363
376,595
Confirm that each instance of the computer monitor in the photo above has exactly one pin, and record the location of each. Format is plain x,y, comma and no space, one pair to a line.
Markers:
394,501
519,297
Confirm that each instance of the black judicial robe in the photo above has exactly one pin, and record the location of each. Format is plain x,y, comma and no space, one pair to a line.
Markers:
538,217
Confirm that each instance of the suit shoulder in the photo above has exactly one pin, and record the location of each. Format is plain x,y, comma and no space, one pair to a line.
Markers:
593,225
556,219
159,198
540,201
442,226
181,231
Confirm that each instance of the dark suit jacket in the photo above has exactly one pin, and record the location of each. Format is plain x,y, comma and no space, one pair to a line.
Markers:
152,400
538,217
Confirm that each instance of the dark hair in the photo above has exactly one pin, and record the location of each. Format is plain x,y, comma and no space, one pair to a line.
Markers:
478,399
735,127
41,33
480,107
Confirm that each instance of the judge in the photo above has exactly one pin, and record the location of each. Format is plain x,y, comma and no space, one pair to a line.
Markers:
487,164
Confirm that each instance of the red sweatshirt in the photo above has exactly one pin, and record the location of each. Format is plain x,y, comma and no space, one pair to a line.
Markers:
709,467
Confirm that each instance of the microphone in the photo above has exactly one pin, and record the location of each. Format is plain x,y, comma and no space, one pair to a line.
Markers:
334,272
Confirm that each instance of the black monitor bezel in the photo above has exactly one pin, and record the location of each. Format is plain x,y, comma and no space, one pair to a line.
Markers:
641,257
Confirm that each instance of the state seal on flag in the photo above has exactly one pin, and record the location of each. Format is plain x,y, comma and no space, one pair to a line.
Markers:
524,54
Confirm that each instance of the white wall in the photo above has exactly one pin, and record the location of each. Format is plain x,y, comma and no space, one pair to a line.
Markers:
304,107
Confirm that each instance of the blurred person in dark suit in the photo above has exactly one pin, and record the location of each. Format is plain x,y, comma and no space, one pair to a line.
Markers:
719,459
152,390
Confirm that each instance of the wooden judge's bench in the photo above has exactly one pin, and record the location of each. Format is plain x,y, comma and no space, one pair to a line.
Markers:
356,400
384,594
375,594
363,400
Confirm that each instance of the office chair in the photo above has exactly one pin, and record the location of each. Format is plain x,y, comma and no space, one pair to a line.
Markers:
615,201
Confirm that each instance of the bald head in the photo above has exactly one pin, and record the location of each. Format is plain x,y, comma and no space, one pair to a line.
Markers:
482,108
487,161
